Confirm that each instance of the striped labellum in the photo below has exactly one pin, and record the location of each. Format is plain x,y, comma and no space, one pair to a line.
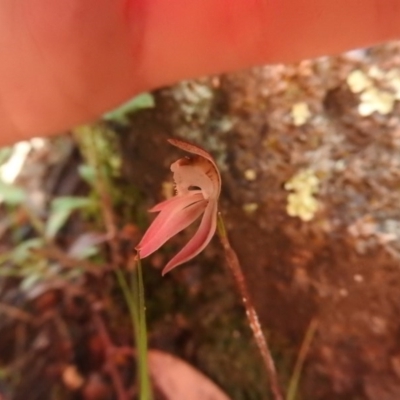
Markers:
198,186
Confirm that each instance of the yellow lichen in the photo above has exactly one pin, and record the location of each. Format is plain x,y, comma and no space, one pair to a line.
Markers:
393,79
250,208
300,113
301,202
376,73
358,81
250,175
377,100
373,98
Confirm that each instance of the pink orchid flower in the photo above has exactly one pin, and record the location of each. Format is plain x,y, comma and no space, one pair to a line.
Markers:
198,186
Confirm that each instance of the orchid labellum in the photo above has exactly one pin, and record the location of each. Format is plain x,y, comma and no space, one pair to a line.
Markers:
198,186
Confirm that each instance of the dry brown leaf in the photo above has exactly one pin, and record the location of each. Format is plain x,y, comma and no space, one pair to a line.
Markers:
177,380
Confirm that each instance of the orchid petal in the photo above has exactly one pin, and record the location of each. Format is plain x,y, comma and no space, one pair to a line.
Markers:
176,201
199,241
170,222
170,208
192,148
198,186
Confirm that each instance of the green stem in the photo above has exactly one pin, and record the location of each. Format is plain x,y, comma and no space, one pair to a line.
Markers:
305,347
145,387
128,295
135,300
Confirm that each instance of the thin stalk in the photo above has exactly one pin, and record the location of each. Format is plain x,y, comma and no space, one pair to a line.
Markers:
36,222
145,387
88,137
252,316
134,298
298,368
128,296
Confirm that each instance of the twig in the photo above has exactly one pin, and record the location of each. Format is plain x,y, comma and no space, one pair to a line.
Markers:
110,223
16,313
112,231
262,343
52,251
110,350
304,349
101,185
134,299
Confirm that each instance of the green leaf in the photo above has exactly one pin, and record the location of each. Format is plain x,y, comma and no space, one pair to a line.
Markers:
23,251
71,203
85,245
30,281
61,209
88,252
12,194
87,173
142,101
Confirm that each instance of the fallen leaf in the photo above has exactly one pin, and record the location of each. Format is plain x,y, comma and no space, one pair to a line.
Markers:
177,380
86,244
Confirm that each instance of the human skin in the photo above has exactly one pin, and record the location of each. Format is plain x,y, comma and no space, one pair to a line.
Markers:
63,63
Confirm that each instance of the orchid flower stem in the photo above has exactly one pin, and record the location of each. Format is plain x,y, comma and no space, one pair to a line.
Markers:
134,297
145,387
254,322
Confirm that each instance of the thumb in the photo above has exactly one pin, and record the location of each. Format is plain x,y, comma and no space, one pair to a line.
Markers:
66,62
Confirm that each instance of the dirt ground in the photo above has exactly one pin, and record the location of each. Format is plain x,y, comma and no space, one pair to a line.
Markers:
310,161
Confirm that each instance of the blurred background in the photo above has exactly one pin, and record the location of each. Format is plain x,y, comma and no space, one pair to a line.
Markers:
310,161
